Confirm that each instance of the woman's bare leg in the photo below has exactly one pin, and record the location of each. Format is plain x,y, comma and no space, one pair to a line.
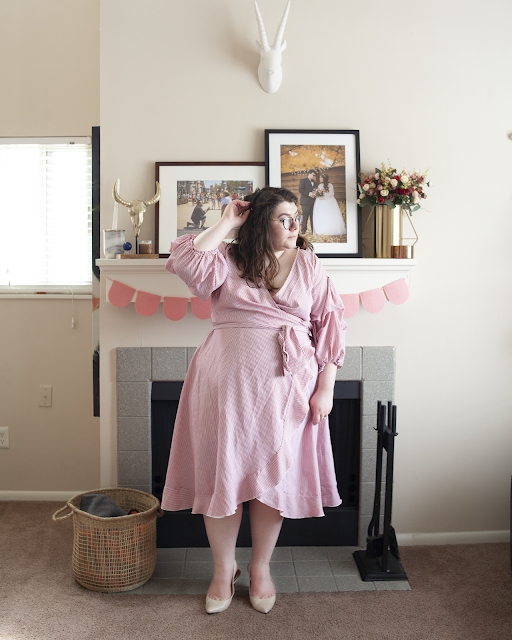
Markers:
222,534
265,527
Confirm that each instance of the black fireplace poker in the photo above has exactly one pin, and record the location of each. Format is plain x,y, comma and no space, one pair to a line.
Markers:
381,559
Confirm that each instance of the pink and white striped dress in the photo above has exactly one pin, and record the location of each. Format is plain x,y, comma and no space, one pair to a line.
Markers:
244,428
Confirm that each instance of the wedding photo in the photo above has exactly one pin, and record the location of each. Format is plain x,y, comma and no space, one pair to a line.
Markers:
316,175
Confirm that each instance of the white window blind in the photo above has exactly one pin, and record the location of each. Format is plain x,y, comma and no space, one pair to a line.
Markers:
46,219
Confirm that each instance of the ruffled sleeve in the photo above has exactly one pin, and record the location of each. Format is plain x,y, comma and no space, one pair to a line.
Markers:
327,320
202,271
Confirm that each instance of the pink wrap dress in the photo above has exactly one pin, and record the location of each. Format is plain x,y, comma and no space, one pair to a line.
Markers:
244,428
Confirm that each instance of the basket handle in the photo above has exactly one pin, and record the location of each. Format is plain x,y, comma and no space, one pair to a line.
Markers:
68,515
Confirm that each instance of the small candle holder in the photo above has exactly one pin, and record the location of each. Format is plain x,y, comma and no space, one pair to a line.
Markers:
145,246
113,240
403,251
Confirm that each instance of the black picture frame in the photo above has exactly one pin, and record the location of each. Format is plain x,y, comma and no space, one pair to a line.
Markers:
345,164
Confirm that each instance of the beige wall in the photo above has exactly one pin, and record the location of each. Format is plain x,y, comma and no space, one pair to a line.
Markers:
51,448
49,67
426,87
49,74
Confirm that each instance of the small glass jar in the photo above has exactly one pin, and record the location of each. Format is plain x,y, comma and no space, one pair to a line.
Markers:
145,246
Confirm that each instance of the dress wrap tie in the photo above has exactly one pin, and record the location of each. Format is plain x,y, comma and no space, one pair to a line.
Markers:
294,358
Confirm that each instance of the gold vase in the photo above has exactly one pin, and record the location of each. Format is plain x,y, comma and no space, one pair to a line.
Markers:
388,229
389,234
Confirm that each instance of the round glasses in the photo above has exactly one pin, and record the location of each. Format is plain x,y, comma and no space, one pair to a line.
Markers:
288,222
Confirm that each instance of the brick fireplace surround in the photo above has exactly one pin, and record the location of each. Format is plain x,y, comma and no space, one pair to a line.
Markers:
138,367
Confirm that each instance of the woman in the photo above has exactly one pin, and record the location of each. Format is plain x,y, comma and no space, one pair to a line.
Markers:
251,423
224,202
327,218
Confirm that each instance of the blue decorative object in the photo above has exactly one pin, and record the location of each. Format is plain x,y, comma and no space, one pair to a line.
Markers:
127,246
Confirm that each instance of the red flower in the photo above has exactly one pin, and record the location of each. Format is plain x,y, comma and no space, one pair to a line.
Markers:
381,199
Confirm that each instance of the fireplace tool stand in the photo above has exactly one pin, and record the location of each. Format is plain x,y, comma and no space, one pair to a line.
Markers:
381,559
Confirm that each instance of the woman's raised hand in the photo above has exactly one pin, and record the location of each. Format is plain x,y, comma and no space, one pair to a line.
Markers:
237,213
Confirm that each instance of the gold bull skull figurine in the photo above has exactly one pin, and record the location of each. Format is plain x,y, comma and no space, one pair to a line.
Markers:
136,208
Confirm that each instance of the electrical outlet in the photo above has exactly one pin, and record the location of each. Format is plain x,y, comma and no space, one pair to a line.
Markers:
45,396
4,437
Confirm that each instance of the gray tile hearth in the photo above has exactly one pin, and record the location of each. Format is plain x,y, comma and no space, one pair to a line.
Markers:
320,569
379,363
137,368
169,363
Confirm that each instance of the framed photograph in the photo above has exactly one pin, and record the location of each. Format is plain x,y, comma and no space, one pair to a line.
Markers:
194,194
321,168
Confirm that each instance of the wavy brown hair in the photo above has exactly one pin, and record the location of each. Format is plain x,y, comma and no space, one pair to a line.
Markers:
252,250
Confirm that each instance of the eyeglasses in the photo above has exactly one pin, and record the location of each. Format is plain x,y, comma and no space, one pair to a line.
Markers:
288,222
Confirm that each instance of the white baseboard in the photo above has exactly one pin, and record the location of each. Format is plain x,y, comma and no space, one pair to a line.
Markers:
451,537
39,496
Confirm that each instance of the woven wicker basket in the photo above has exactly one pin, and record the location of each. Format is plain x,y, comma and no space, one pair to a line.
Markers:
114,554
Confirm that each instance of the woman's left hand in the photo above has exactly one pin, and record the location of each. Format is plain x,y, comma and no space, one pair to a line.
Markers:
320,404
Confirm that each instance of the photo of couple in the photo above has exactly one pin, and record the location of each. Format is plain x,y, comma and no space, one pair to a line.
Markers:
320,207
316,175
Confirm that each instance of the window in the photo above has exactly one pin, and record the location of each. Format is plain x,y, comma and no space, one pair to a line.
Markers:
46,217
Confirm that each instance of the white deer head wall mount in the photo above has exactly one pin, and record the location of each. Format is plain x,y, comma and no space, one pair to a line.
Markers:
270,73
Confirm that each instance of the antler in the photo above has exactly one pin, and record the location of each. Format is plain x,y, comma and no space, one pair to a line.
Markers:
280,31
261,28
155,198
118,198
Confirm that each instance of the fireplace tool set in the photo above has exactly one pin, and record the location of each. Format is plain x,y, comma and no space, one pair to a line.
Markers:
381,559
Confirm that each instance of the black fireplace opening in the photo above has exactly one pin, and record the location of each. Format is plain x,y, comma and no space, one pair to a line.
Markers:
339,527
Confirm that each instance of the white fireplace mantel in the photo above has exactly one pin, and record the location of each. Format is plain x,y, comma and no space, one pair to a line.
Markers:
349,275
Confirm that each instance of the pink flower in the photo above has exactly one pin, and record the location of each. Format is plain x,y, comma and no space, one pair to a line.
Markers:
391,197
370,192
379,187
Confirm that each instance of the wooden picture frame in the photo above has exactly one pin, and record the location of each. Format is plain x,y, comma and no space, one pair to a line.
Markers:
171,217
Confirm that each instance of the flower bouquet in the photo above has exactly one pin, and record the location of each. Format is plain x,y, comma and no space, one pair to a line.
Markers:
319,192
389,187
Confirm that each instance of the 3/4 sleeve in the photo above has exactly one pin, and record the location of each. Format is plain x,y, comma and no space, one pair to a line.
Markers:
327,320
202,271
